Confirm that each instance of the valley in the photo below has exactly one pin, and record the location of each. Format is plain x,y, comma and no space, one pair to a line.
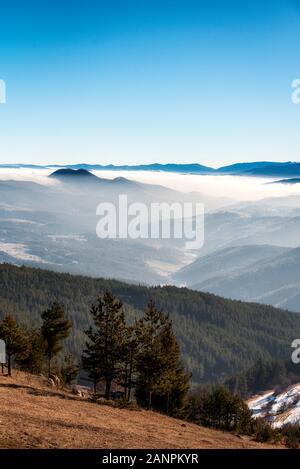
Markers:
250,249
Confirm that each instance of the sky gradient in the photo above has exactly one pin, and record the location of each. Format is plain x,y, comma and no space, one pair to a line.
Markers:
129,82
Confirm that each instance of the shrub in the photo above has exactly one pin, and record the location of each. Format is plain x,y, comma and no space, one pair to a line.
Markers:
263,431
292,442
292,435
219,408
125,404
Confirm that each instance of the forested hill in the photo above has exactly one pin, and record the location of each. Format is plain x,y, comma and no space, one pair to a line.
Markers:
219,337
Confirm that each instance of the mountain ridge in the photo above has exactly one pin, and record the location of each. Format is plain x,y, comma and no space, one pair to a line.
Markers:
256,168
274,280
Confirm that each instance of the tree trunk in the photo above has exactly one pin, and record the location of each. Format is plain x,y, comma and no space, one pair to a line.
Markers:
108,389
129,391
130,380
150,400
126,381
49,366
9,364
168,402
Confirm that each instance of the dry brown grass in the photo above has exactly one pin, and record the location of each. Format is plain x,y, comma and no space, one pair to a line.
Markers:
32,415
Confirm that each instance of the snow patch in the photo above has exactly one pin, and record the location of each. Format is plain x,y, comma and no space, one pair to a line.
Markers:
279,408
19,251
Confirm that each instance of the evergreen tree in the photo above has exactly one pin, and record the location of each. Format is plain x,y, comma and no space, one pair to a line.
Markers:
104,351
14,338
55,328
173,384
219,408
70,369
91,359
33,358
161,382
128,363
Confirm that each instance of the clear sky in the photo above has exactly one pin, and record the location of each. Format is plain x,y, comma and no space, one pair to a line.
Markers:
149,81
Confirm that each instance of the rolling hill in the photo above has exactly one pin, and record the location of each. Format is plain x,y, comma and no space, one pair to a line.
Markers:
287,181
274,280
279,406
290,169
240,168
224,262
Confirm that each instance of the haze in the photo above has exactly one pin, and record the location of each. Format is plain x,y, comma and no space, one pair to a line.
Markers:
233,187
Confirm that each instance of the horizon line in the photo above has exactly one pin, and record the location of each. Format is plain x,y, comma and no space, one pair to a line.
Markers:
125,165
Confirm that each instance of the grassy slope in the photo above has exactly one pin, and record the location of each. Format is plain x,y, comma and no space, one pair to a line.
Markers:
36,416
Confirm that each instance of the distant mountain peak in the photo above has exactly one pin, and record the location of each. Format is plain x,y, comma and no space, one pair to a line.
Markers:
67,173
286,181
122,180
81,175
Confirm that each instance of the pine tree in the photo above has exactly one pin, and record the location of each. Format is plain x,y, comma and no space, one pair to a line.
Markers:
219,408
162,382
70,369
149,366
173,387
55,328
128,363
103,355
91,359
33,358
14,338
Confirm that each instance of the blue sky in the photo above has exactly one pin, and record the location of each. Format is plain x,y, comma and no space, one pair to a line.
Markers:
149,81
